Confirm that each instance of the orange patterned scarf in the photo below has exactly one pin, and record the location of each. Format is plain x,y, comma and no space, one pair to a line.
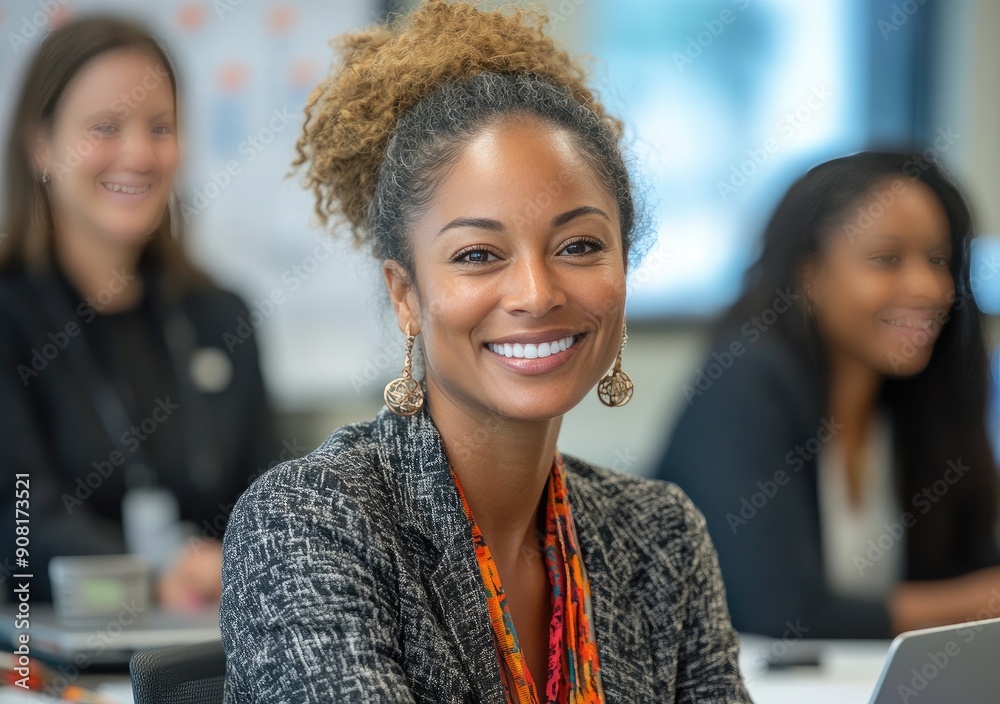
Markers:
574,675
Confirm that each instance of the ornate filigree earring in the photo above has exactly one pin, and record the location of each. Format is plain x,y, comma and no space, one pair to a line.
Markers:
405,396
45,175
616,388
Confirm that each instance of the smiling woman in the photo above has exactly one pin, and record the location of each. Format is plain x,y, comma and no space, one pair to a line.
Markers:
883,520
446,551
558,275
104,322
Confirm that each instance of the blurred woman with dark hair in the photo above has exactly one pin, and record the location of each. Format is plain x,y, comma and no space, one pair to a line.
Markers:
840,452
113,383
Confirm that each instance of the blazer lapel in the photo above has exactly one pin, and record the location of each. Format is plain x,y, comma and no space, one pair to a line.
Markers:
431,515
621,626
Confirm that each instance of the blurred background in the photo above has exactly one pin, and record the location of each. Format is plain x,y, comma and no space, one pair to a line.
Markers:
725,102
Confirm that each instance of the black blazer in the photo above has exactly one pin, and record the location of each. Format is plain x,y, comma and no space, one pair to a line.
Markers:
350,576
756,420
77,449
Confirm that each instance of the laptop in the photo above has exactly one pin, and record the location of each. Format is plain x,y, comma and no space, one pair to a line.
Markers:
106,641
948,664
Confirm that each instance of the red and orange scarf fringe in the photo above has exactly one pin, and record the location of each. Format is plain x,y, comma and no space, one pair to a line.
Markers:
574,675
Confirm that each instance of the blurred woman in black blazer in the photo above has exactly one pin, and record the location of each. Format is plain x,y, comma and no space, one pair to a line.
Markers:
115,377
835,437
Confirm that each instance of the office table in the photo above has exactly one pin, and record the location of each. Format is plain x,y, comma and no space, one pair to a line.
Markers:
846,674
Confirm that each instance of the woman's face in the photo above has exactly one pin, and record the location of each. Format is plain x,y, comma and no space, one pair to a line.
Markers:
882,288
112,150
520,276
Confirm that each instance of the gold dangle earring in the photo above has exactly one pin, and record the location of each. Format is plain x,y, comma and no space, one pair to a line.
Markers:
616,388
405,396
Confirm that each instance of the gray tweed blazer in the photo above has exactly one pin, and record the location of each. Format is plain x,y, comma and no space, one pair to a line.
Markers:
349,576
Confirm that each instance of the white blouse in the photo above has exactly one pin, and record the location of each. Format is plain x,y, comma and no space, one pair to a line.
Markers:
864,546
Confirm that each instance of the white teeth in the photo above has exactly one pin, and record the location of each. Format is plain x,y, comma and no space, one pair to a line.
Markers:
532,351
915,324
118,188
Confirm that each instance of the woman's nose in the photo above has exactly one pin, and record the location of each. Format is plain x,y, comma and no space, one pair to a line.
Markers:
533,288
924,280
138,153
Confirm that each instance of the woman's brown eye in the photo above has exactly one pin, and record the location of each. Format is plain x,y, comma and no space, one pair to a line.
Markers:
474,256
581,247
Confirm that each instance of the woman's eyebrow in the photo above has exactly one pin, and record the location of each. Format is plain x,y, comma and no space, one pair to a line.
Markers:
578,212
478,223
497,226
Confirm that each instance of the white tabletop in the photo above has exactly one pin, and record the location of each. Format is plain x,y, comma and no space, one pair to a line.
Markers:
846,674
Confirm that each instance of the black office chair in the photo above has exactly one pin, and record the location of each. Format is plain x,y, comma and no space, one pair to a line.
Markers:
184,674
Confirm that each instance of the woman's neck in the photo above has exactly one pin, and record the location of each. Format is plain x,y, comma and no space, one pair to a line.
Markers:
503,465
105,275
854,388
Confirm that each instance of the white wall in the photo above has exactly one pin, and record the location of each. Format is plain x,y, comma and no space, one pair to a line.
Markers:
968,99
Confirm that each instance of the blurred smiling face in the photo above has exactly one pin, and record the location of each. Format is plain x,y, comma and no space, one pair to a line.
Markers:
520,275
112,150
881,295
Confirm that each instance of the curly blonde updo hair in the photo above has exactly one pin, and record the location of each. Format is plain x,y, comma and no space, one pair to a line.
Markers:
405,97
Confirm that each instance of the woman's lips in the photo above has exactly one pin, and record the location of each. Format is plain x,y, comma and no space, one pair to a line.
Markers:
125,191
918,331
126,188
530,350
535,357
